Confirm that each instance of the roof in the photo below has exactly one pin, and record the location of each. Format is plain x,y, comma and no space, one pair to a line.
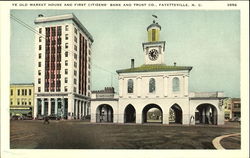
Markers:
22,84
153,68
64,17
154,25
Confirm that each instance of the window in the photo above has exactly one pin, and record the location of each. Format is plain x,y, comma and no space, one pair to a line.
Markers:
40,47
75,39
22,91
75,47
75,73
74,81
39,80
39,89
66,45
40,30
40,39
75,64
39,55
75,89
66,71
66,80
75,31
29,91
151,85
39,64
25,92
11,92
66,54
66,27
237,105
130,86
75,56
176,84
66,62
153,34
39,72
65,88
18,92
66,36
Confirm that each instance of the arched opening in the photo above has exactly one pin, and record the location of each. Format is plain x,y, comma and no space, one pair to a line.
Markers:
175,114
206,114
129,116
152,113
104,113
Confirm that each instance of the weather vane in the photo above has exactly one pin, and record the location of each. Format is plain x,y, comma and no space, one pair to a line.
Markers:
155,17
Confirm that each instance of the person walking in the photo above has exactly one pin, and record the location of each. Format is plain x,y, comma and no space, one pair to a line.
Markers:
46,120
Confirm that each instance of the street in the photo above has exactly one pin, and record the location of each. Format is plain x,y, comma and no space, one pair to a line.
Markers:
30,134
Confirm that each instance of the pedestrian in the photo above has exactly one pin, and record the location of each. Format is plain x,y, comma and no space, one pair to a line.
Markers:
46,120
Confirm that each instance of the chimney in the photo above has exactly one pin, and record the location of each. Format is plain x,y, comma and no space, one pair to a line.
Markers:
174,63
132,63
40,15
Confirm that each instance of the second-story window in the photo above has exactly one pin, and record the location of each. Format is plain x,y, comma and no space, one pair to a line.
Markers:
130,86
176,84
151,85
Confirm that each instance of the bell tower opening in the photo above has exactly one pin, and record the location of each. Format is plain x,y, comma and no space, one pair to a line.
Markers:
154,48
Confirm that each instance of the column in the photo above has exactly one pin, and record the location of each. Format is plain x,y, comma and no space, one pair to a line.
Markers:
186,85
49,106
42,111
165,119
56,106
85,108
70,107
120,86
80,110
208,115
138,86
138,118
62,107
35,108
203,115
76,109
165,83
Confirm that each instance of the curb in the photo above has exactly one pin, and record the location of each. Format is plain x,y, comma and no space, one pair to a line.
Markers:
216,141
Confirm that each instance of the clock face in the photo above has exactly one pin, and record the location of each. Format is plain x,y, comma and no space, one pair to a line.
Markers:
153,54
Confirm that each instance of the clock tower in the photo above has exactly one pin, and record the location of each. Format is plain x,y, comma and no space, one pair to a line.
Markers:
154,48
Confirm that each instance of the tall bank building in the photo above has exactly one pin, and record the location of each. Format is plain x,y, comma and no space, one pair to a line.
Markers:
62,67
155,85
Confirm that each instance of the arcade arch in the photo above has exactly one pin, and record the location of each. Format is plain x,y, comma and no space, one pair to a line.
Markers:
152,113
206,114
175,114
129,114
104,113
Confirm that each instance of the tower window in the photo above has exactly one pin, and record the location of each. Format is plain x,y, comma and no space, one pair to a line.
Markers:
66,36
153,34
66,54
66,27
176,84
151,85
130,86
